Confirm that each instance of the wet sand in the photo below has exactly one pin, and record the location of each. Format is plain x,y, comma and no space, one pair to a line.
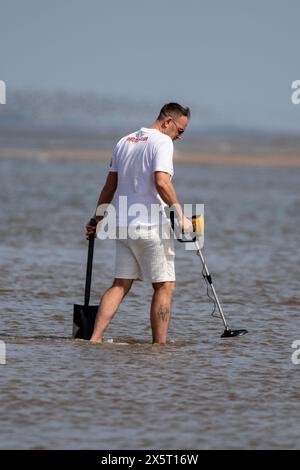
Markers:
246,159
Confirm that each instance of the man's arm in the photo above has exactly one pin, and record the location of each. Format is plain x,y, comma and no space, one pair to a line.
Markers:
105,198
107,192
166,190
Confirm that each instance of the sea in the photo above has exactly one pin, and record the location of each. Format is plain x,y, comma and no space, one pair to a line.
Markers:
200,391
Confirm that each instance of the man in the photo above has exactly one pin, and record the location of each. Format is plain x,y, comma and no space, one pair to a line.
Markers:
141,170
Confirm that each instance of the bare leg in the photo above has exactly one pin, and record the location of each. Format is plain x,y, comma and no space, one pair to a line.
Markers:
109,304
161,310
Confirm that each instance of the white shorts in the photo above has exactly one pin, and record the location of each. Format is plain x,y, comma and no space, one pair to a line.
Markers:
149,257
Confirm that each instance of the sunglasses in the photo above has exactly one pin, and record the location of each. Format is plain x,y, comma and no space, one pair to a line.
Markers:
179,129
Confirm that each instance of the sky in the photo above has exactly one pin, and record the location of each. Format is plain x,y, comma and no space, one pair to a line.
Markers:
232,61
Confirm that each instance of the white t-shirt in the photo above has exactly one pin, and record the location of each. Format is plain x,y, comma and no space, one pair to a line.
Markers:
136,158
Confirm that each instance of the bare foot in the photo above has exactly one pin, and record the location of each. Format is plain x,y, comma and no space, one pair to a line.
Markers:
95,341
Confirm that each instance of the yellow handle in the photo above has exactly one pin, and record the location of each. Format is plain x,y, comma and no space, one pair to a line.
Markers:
198,224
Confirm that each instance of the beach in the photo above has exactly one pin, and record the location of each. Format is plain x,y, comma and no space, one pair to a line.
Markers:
288,159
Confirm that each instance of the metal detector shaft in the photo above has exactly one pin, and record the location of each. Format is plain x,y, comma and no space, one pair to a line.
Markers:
208,277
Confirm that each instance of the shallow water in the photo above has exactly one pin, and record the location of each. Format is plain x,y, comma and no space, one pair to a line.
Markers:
198,392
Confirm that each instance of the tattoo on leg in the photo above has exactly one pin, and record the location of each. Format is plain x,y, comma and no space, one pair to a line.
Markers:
163,312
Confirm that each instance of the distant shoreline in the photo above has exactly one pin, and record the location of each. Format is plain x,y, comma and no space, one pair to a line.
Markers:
69,154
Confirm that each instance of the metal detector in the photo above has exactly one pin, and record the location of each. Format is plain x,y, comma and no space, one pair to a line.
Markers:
198,224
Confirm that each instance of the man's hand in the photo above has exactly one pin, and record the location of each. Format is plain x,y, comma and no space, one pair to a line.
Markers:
90,228
186,225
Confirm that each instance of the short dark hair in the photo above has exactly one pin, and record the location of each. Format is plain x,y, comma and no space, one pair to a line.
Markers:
174,110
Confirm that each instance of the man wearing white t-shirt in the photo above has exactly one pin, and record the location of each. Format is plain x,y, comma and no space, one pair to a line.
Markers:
141,171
